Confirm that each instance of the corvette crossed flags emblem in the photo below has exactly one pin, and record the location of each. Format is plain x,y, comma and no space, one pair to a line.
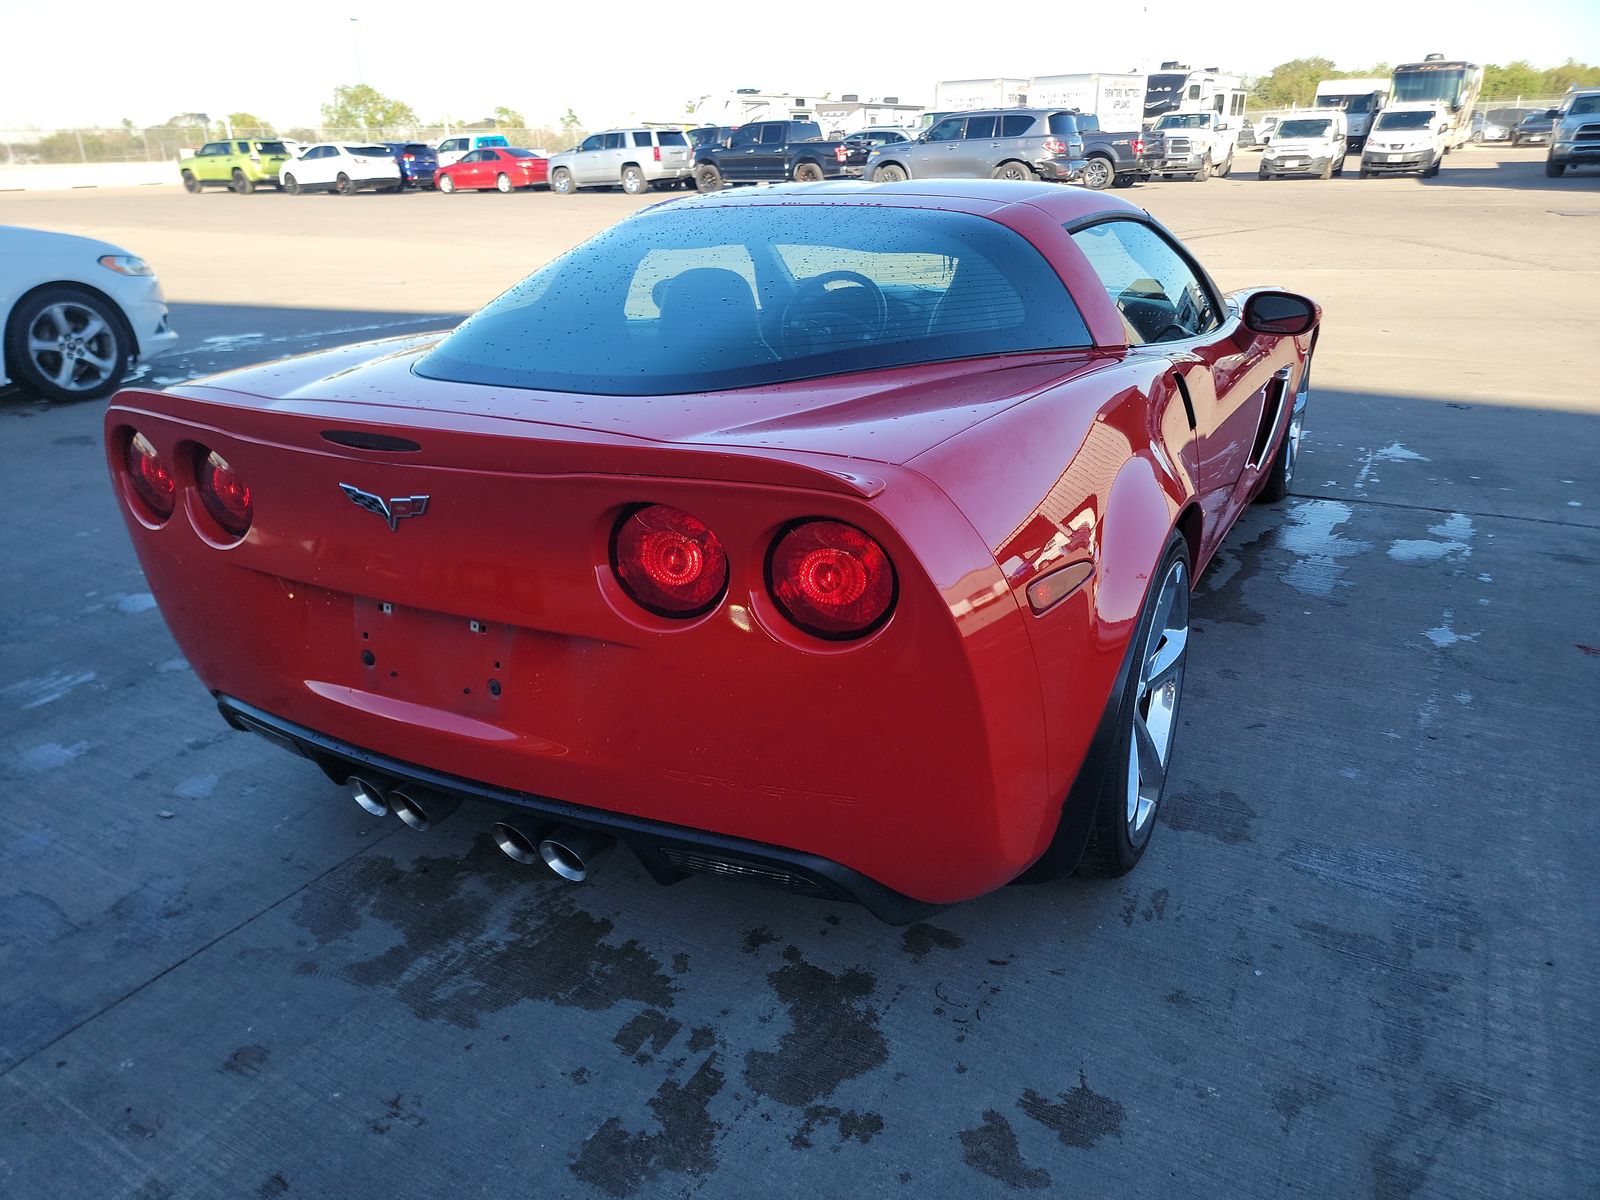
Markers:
393,510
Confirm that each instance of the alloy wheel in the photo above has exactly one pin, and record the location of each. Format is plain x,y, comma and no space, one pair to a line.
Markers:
1155,702
73,346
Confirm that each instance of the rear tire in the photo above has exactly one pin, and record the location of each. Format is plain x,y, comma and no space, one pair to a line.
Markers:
560,182
241,184
1099,174
1015,171
807,172
707,178
447,185
890,173
1147,723
633,181
190,183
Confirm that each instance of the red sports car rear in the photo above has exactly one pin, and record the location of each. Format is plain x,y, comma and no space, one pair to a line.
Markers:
794,537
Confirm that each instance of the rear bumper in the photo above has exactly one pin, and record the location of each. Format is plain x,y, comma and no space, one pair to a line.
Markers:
669,852
1061,170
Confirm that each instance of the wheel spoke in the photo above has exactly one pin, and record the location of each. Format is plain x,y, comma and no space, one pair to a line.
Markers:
102,362
93,327
1167,659
1151,767
38,345
64,372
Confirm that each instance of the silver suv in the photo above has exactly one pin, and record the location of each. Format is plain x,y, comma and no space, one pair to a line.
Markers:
1003,143
633,159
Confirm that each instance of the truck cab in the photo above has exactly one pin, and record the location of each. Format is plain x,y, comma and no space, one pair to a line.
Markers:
1575,136
1196,145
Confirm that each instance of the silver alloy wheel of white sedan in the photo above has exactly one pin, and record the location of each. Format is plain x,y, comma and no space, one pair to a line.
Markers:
75,347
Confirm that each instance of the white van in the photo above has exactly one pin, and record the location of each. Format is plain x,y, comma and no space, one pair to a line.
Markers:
1406,139
453,149
1312,144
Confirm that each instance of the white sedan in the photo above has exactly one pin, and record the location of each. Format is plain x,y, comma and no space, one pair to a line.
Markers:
76,313
343,167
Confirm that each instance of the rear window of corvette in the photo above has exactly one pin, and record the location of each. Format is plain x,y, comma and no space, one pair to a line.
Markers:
692,299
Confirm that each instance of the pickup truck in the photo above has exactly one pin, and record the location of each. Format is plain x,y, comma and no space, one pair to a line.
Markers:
769,152
1198,145
1113,158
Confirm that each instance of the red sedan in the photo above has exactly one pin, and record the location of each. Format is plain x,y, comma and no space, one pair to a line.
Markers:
503,170
836,537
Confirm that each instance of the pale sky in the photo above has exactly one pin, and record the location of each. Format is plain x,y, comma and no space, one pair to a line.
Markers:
617,60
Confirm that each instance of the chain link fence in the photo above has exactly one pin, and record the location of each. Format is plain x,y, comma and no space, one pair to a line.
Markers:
168,143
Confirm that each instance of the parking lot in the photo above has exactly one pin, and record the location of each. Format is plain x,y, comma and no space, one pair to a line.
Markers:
1358,960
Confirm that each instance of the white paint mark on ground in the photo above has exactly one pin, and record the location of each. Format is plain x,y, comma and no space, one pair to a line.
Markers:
33,693
231,341
1309,535
138,602
1452,539
174,664
196,788
1443,636
1393,452
48,757
1485,577
1463,697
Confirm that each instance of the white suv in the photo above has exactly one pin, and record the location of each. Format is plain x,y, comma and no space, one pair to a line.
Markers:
1406,139
633,159
343,168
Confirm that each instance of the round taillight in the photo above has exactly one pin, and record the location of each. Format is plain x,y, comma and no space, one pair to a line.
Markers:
225,495
150,478
831,579
668,561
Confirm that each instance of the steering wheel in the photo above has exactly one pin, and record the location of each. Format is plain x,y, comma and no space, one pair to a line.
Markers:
808,319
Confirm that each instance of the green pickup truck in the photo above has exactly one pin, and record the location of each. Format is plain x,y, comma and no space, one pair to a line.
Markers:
239,164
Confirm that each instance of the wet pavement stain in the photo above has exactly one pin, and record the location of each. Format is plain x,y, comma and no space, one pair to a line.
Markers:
1292,1100
920,939
834,1035
852,1126
475,940
618,1162
1233,567
1081,1119
246,1061
758,937
702,1039
991,1149
653,1026
1221,814
397,1111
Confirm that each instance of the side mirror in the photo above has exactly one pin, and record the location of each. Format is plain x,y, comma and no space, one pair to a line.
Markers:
1282,313
1222,128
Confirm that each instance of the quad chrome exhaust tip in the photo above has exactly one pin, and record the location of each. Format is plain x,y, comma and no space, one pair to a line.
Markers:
568,851
420,807
370,794
571,852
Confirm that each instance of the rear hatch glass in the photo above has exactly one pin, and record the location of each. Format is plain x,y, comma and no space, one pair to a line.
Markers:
271,148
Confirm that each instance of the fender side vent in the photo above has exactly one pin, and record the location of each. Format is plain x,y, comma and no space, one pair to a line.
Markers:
358,440
1273,405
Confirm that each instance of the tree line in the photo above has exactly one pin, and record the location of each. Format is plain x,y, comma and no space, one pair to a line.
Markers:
355,110
1295,82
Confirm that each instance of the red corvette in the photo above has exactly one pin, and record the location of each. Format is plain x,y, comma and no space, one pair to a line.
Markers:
834,536
504,170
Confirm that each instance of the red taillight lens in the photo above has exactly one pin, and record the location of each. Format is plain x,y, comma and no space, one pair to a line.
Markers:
658,153
1138,145
1054,146
668,561
831,579
840,153
150,478
225,495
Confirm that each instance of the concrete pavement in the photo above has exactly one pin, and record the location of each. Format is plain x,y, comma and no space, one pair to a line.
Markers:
1357,961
